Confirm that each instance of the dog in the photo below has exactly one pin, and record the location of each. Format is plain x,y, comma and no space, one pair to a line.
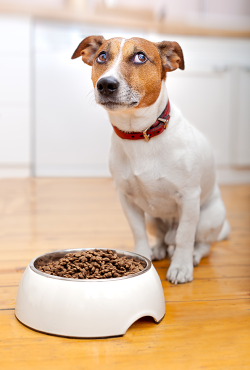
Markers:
163,167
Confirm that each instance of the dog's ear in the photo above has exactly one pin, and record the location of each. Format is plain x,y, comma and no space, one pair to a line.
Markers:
171,56
88,48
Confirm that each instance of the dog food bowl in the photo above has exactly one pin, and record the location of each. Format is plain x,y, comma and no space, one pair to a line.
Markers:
87,308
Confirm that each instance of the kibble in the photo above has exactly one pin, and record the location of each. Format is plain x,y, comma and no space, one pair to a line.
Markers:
93,264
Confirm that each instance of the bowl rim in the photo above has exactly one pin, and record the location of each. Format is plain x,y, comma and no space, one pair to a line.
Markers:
62,252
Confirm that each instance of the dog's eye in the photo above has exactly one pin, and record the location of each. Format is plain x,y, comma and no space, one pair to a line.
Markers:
139,58
101,58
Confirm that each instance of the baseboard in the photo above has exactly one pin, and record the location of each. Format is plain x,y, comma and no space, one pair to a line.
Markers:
227,176
86,170
15,170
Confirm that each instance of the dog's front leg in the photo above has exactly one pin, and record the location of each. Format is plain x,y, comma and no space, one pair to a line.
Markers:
136,219
181,268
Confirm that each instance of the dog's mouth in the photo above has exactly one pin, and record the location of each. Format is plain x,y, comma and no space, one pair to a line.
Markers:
116,105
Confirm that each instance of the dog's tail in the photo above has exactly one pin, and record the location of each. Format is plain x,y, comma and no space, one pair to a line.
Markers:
225,231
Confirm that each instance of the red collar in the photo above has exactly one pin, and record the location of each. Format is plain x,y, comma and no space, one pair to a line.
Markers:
156,129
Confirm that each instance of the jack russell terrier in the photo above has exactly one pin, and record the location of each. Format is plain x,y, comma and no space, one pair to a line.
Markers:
163,167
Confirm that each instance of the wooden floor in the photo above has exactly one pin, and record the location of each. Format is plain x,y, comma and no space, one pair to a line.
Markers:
207,322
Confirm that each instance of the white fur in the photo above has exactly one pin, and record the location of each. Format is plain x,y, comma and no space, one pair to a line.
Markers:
171,178
114,69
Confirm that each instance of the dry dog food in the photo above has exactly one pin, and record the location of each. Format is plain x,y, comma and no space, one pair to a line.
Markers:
93,264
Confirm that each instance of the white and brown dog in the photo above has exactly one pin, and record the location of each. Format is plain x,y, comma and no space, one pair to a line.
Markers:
163,167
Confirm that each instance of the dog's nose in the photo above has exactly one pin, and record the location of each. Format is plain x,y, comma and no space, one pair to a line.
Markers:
107,85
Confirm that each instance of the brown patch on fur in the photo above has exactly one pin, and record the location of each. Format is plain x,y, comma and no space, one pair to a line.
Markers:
144,78
112,48
171,56
88,48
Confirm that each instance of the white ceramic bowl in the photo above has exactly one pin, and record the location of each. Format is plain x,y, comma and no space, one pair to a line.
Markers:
87,308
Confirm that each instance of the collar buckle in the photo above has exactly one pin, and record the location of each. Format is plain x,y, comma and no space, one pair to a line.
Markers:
154,130
146,136
165,121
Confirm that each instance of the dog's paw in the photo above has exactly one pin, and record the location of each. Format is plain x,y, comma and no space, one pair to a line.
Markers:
159,252
178,274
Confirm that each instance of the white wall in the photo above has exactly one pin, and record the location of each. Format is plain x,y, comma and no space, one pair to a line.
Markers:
241,153
15,81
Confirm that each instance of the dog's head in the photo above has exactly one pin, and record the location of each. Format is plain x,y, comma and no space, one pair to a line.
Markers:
128,73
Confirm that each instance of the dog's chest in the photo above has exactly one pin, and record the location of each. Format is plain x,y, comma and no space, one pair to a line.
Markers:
147,185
